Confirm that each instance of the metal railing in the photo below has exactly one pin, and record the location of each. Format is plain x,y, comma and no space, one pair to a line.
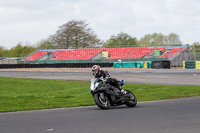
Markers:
184,56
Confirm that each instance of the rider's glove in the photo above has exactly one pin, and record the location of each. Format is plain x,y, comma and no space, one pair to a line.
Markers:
104,80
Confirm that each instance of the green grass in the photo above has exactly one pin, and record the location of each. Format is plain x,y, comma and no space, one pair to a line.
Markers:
17,94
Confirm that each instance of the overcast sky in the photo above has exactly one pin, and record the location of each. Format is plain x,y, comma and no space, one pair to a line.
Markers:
34,20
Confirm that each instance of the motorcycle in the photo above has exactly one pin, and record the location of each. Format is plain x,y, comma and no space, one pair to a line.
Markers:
106,95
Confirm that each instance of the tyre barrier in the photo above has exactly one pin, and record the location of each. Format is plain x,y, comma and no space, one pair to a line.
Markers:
160,64
57,65
191,64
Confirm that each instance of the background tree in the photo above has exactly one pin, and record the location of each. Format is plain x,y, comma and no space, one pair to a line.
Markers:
174,39
75,34
121,40
27,50
16,51
152,40
20,50
145,41
160,40
3,51
195,47
46,44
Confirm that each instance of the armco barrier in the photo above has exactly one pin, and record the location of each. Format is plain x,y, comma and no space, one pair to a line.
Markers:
160,65
191,64
58,65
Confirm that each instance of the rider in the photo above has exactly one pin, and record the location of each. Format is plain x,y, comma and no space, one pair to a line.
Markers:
104,76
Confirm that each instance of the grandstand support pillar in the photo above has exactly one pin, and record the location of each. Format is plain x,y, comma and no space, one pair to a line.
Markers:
185,55
181,60
75,58
128,56
57,58
92,57
110,58
168,56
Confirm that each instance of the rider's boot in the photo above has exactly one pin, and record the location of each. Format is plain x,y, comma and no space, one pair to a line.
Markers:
120,83
122,90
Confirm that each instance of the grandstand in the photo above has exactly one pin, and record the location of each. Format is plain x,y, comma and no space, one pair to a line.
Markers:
134,57
106,53
36,55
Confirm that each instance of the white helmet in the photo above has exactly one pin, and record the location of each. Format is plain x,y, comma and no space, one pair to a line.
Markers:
96,69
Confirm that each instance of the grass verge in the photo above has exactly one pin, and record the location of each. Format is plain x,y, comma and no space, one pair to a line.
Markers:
17,94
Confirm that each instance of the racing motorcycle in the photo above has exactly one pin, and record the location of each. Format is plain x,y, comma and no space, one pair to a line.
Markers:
106,95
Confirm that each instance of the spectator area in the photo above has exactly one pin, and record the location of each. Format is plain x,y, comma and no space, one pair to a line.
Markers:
112,53
36,55
173,52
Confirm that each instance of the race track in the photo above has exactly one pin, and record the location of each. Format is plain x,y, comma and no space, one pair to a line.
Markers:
136,76
168,116
165,116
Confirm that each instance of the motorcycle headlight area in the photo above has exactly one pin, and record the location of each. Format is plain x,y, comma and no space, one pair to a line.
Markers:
94,86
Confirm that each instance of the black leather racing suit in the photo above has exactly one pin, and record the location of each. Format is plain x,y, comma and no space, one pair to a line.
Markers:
104,75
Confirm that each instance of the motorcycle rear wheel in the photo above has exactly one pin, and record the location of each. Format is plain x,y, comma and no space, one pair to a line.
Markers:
132,102
101,100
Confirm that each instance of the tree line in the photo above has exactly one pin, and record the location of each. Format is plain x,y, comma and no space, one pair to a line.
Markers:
77,34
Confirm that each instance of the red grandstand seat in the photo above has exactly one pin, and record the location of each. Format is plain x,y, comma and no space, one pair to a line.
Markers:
36,55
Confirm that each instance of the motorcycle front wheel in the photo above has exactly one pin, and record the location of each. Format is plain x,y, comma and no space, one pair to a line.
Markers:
132,101
101,100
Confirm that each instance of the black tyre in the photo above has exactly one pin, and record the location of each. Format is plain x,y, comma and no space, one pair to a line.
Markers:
132,101
101,100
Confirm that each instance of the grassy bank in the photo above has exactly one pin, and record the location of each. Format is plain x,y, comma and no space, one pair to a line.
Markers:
18,94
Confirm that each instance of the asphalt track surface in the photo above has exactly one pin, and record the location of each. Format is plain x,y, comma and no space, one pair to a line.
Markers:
165,116
135,76
168,116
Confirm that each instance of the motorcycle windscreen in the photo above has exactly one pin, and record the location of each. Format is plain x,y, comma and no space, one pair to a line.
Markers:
94,84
